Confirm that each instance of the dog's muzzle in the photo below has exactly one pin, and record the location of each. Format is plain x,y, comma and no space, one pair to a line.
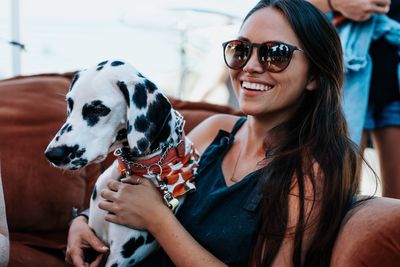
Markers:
66,155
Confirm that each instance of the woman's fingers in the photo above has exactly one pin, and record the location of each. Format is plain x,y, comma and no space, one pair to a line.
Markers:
76,257
135,180
107,206
108,195
97,261
381,9
382,2
379,6
114,185
68,259
95,243
110,217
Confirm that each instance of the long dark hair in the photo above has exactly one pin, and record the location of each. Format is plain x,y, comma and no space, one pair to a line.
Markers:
317,132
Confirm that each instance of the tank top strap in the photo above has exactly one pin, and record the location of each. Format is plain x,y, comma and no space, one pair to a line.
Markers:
219,145
238,124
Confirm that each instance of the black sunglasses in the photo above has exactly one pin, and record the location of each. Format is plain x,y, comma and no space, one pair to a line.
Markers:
273,56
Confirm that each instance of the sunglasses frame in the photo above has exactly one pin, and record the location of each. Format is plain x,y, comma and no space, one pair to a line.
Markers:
292,48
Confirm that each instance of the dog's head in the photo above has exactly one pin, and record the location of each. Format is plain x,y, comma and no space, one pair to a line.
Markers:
108,105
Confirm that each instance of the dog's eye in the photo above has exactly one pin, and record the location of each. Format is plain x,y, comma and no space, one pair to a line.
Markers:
99,110
96,108
93,111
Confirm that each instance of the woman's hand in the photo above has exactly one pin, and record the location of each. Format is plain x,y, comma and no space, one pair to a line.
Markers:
138,204
135,202
81,237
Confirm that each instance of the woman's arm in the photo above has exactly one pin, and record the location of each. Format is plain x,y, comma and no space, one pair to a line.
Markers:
176,242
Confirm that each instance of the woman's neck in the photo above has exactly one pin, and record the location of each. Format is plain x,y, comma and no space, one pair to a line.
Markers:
253,137
260,133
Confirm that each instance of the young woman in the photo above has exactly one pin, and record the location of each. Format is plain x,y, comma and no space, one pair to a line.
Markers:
273,187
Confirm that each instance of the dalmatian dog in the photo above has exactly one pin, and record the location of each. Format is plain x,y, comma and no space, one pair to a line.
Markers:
113,107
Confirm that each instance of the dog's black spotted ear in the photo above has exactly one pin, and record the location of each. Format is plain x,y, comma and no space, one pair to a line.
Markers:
148,115
159,115
74,79
124,90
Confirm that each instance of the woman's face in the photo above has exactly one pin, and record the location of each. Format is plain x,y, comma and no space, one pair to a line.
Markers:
261,93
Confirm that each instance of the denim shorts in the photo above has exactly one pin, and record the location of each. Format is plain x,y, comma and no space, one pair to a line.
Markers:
388,116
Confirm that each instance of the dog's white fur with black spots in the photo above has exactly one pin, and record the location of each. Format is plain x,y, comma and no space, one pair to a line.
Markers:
108,106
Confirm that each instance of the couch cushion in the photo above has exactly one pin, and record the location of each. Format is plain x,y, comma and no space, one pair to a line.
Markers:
38,196
22,255
196,112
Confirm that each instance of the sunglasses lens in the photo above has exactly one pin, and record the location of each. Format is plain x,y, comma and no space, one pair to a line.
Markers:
275,56
236,54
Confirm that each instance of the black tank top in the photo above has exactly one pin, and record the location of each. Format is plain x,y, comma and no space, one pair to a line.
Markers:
224,220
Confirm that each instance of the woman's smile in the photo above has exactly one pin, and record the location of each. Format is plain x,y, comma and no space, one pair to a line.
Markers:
256,86
254,89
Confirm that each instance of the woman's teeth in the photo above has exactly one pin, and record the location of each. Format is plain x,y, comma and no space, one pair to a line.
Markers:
256,86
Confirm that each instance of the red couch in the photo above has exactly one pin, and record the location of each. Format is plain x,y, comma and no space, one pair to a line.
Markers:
39,198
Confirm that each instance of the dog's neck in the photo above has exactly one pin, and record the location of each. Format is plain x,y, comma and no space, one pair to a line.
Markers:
176,124
157,161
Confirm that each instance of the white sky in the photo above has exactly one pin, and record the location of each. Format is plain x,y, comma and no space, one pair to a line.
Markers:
63,35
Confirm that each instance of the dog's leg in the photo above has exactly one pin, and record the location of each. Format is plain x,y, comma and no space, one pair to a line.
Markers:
96,215
129,246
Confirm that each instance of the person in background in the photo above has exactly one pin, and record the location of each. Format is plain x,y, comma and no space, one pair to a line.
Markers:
356,10
380,115
273,186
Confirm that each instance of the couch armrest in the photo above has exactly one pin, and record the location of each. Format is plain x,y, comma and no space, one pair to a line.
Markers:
370,235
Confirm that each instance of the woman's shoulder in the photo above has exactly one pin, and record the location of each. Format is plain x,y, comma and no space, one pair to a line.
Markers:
204,133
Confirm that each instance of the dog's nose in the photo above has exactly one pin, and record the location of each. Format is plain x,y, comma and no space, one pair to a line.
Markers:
56,155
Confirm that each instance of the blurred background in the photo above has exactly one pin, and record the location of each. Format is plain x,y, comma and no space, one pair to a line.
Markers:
177,44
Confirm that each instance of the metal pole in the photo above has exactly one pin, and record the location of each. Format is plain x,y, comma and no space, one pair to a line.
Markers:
183,57
16,50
